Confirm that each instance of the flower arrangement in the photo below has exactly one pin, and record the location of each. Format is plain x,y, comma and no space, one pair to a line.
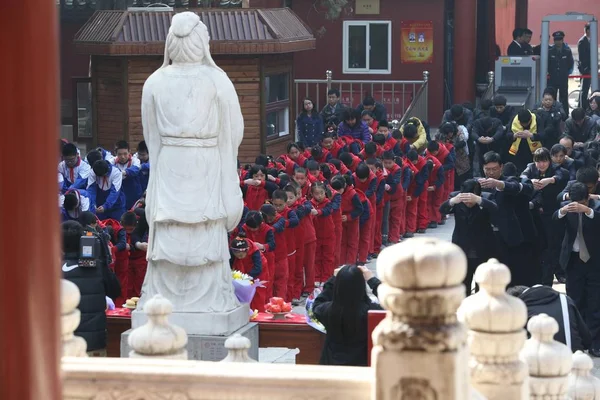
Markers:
311,320
244,286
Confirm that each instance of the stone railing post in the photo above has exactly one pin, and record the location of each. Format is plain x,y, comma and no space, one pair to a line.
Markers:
157,338
419,348
549,361
496,335
582,384
72,346
237,349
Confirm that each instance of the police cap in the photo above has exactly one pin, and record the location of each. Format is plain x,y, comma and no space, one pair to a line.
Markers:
558,35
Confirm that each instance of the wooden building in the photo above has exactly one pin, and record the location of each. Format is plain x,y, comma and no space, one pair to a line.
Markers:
254,47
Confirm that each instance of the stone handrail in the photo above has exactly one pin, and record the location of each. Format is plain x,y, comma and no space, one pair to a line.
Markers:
152,379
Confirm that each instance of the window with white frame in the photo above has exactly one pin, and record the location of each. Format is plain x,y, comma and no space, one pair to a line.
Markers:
367,47
277,107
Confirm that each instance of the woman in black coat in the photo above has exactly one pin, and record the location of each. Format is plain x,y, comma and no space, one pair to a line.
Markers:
342,308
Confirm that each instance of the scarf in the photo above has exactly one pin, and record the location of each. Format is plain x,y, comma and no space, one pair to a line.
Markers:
517,127
72,170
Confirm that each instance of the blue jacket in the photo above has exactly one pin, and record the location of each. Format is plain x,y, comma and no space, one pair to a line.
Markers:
112,198
310,129
359,131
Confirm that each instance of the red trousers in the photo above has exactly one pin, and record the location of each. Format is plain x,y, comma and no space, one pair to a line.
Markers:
373,219
434,201
292,258
365,240
396,220
280,280
259,300
350,239
137,273
324,259
337,249
296,269
411,214
377,239
122,272
422,211
270,256
304,278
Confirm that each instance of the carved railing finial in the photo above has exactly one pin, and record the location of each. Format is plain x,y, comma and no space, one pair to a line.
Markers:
549,361
421,288
237,349
157,338
496,335
582,384
73,346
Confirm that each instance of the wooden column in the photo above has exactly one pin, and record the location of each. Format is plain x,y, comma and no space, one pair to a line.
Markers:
29,230
465,45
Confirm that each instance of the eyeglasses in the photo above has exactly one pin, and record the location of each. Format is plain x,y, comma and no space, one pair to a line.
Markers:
491,169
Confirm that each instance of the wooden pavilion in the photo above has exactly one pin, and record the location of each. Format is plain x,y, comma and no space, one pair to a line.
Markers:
254,47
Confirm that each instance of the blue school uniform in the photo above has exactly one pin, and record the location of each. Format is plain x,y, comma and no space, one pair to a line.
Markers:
144,173
106,191
84,205
131,182
76,177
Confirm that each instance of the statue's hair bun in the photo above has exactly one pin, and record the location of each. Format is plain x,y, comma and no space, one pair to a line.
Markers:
184,23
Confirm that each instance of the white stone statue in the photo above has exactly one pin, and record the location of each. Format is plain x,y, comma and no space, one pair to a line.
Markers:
193,127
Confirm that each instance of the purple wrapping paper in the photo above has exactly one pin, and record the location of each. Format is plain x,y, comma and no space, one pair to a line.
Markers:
245,293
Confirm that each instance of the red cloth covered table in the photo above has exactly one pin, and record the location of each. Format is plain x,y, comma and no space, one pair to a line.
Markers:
291,332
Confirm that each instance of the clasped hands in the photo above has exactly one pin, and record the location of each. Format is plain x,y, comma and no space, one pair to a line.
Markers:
466,198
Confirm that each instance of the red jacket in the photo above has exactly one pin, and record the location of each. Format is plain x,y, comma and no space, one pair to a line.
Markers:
415,168
390,144
398,191
281,247
337,146
256,196
337,213
433,175
323,158
323,222
442,153
320,178
289,233
261,236
349,205
290,165
364,187
247,264
365,200
307,221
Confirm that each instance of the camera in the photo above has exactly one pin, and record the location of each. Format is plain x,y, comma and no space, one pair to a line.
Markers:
88,250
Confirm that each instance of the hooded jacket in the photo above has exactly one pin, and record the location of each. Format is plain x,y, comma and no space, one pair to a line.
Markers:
544,299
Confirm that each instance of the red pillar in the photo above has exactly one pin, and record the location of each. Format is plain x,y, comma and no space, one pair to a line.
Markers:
465,44
29,230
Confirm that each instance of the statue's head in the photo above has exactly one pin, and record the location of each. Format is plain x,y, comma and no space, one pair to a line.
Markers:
188,41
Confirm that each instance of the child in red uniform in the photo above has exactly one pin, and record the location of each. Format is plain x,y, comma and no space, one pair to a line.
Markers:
331,143
447,156
284,223
314,173
248,259
320,154
138,245
299,234
324,228
373,149
416,199
304,278
394,193
336,215
118,238
366,182
376,167
257,189
263,237
352,209
293,159
300,177
436,185
365,228
350,161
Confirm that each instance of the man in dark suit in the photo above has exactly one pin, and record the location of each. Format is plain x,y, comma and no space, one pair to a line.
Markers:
513,225
520,45
585,68
580,256
589,177
472,230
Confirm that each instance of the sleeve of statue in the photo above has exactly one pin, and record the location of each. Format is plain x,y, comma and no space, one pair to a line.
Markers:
230,137
152,138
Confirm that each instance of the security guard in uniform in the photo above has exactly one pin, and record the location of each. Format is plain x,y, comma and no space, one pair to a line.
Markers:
560,63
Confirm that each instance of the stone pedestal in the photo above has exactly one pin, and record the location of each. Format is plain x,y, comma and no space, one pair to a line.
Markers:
205,324
207,347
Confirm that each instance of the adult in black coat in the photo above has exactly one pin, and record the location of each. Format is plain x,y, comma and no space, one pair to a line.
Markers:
581,127
343,308
580,256
488,135
513,225
589,176
94,284
545,300
472,229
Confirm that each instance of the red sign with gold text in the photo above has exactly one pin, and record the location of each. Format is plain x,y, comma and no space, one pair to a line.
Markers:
417,42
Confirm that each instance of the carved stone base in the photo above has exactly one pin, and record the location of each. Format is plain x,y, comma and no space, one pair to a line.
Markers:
208,324
205,347
424,375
